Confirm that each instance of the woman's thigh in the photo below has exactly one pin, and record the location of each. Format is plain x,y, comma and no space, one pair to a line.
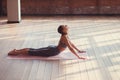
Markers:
44,52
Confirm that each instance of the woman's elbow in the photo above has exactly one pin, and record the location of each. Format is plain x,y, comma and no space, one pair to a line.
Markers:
71,49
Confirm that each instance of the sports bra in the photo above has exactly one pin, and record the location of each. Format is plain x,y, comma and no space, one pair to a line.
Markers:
63,44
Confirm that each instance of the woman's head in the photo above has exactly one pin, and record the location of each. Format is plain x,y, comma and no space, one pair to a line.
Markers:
63,29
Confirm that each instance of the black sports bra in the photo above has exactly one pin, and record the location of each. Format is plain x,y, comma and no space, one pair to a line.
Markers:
63,44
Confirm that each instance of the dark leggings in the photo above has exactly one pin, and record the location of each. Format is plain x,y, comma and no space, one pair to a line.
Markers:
44,52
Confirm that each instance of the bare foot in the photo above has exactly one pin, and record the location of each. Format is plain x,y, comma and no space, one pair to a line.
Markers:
13,52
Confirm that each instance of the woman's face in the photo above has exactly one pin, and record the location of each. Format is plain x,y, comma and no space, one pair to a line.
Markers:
65,29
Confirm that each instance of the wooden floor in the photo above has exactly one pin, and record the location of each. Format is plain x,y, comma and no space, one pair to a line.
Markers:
99,36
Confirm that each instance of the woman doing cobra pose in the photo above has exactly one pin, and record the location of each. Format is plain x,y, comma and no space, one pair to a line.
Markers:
64,42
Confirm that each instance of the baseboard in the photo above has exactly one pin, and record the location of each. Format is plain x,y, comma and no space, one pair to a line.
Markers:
13,21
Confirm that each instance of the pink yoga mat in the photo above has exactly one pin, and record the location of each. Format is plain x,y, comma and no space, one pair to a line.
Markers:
61,56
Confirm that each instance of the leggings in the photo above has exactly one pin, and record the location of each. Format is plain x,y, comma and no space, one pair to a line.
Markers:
44,52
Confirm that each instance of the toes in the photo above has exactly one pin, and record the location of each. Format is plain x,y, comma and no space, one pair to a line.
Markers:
12,52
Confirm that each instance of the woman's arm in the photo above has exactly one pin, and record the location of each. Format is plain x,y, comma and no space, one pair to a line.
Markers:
76,47
66,40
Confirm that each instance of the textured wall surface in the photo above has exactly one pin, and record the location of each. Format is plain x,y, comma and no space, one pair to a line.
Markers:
36,7
0,7
109,6
59,7
70,6
3,7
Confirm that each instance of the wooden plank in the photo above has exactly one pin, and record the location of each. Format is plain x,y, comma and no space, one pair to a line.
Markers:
28,67
7,64
55,70
115,56
117,48
41,69
75,70
100,71
62,70
47,70
108,64
90,63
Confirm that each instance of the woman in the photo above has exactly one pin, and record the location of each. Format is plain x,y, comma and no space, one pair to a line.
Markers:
52,50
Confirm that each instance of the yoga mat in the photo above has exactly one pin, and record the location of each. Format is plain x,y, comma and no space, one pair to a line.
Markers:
61,56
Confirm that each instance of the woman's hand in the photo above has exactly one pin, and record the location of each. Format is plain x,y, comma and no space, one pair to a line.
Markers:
84,58
81,51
